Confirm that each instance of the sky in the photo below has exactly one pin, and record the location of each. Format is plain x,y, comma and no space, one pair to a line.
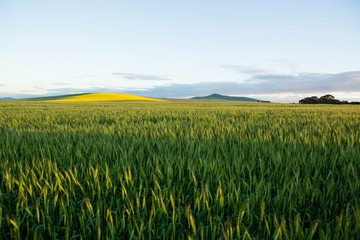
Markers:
278,50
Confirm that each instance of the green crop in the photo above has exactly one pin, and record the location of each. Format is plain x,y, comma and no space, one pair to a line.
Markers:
179,170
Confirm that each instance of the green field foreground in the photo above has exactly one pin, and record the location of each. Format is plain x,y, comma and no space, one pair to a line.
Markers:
179,170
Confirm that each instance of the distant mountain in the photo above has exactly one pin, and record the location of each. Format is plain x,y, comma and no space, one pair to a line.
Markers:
7,98
216,96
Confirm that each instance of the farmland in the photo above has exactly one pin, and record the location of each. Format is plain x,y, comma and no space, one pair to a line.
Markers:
179,170
96,97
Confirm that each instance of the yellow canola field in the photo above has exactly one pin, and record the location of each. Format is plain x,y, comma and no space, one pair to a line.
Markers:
95,97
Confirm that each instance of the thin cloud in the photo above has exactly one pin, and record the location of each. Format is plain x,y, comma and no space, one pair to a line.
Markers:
85,76
62,84
69,90
139,76
247,70
308,82
294,66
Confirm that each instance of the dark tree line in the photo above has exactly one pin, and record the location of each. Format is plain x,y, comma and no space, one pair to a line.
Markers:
326,99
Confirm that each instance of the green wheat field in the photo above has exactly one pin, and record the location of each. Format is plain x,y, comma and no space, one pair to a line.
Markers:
179,170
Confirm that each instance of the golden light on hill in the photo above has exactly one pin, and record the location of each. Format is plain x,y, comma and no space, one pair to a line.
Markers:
96,97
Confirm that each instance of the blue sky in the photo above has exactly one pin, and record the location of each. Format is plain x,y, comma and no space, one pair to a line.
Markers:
274,50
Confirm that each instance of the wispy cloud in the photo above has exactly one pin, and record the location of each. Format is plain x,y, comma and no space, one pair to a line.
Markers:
139,76
62,84
247,70
307,82
2,85
85,76
74,90
293,66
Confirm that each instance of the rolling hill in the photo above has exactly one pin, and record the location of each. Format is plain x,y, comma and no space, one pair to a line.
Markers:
216,96
6,98
95,97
